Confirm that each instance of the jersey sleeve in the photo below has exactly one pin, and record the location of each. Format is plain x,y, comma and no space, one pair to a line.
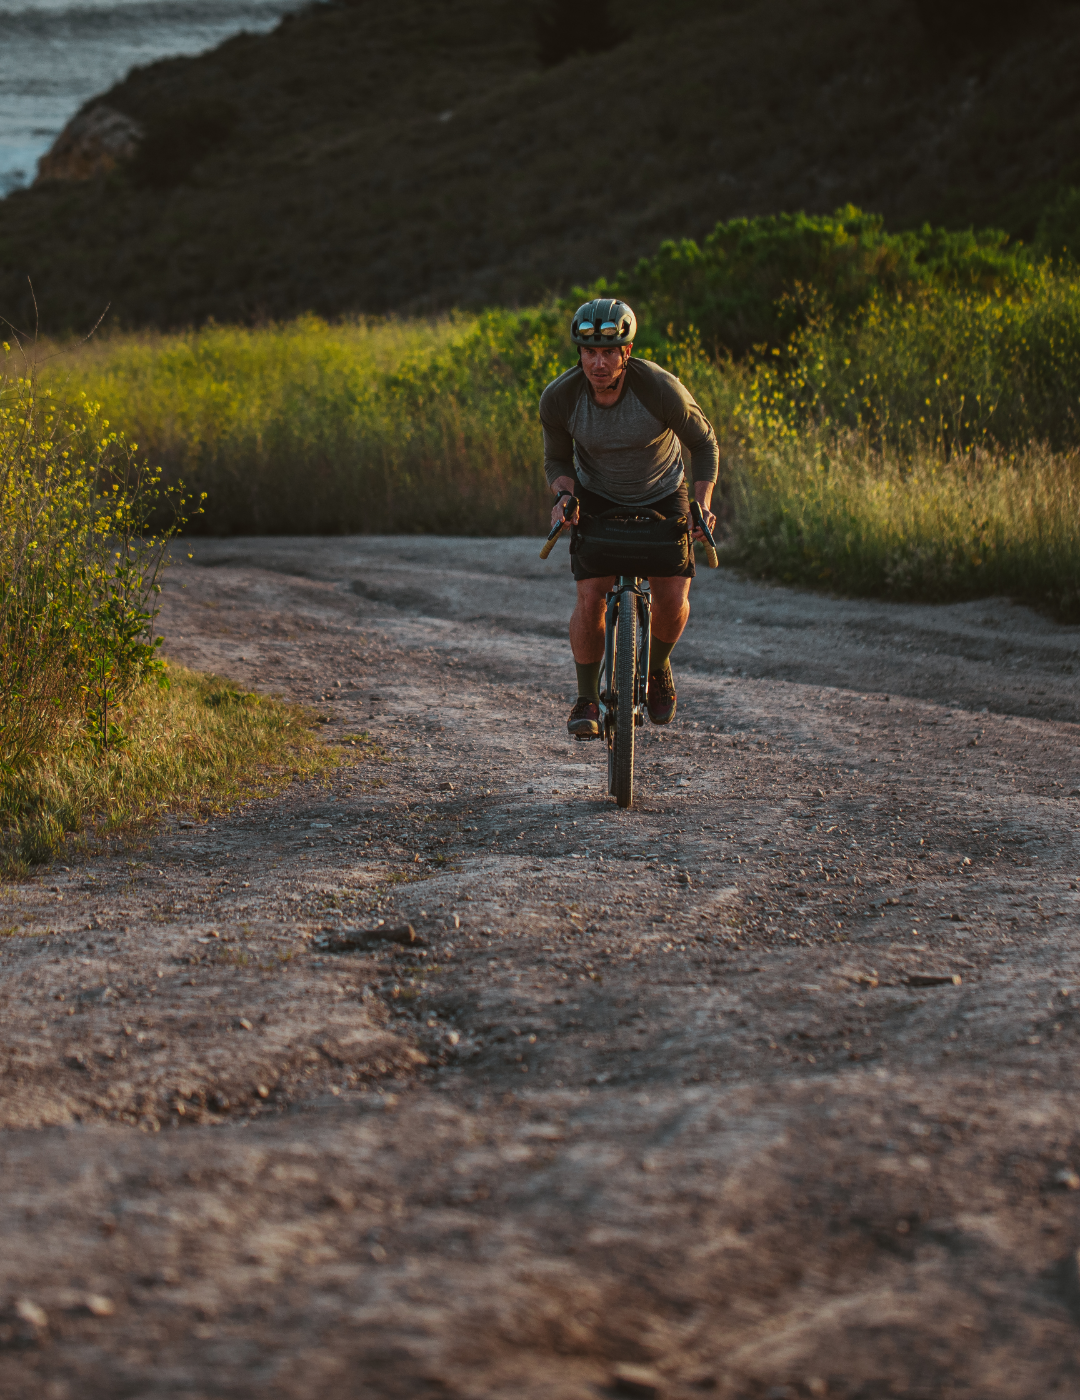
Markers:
672,403
556,405
694,431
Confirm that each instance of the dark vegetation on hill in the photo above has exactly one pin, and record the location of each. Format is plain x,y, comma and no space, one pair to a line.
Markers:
410,156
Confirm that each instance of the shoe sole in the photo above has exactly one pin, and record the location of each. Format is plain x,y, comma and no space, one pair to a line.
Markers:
593,732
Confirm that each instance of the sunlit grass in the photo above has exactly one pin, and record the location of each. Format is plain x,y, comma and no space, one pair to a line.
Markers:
304,427
200,745
830,510
956,369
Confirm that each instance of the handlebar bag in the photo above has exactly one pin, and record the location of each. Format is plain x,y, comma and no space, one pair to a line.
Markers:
632,540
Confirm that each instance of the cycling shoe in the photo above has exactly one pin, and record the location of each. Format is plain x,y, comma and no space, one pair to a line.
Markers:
584,721
660,701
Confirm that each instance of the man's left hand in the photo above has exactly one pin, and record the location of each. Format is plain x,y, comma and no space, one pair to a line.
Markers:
709,519
703,495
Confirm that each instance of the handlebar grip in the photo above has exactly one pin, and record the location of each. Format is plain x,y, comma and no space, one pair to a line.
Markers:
708,544
551,542
569,507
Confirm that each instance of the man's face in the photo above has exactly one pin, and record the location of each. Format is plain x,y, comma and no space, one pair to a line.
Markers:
603,365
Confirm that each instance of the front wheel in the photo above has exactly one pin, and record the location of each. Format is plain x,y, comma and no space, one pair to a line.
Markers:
622,755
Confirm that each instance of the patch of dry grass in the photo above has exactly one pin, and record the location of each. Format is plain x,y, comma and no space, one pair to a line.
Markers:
197,745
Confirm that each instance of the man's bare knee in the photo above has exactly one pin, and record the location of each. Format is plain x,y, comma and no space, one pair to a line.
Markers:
591,593
670,592
671,607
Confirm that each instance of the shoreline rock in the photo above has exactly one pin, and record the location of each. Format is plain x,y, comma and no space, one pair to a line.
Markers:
93,143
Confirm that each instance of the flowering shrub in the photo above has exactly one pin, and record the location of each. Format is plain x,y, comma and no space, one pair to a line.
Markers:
946,368
78,573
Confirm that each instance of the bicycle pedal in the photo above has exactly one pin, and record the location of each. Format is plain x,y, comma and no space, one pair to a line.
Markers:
585,738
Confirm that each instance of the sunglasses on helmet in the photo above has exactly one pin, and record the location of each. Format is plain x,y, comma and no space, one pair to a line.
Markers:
589,329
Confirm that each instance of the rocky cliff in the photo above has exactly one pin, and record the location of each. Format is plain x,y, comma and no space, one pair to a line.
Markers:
94,142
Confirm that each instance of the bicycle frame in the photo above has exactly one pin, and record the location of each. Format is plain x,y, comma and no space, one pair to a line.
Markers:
639,588
624,671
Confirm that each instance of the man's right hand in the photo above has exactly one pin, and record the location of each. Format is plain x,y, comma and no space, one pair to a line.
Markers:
558,511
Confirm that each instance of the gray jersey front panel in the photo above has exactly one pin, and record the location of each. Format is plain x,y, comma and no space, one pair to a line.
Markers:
624,452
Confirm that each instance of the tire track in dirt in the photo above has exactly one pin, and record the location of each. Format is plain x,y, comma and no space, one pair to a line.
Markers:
664,1087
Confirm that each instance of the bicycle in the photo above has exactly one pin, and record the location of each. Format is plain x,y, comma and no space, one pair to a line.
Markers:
624,676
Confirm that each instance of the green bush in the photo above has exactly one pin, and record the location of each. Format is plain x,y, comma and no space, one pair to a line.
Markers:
945,368
752,281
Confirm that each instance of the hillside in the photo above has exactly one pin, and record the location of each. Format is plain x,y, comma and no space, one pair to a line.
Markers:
375,157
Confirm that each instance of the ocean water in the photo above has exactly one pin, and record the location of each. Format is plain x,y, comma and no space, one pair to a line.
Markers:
54,54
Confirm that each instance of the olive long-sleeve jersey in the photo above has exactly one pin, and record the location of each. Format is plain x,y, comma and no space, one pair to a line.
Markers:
632,452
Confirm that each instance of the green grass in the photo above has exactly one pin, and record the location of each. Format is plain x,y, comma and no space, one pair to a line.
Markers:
828,510
198,745
361,427
948,367
917,436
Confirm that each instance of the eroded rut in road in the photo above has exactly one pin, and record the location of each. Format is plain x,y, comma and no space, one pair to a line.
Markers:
765,1087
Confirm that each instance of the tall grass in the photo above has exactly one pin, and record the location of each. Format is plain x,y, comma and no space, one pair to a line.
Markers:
361,427
364,427
942,368
831,509
923,446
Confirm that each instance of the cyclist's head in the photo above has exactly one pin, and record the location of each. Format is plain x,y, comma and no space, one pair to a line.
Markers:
603,322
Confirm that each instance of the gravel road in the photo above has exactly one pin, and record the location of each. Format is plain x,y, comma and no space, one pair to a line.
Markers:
765,1088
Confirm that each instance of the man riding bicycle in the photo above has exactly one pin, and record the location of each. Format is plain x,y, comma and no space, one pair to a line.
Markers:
614,430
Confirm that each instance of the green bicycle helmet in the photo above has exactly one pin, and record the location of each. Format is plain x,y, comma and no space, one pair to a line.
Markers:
603,321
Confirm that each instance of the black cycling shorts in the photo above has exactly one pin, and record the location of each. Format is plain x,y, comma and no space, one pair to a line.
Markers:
678,503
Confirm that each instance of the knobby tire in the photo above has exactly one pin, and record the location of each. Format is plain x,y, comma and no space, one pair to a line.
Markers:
626,638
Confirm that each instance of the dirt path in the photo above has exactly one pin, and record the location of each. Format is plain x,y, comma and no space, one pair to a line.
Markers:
668,1088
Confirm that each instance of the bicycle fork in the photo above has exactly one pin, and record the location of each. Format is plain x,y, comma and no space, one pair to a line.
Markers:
640,593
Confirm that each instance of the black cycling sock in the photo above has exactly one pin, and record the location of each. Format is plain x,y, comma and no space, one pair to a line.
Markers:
588,681
659,652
